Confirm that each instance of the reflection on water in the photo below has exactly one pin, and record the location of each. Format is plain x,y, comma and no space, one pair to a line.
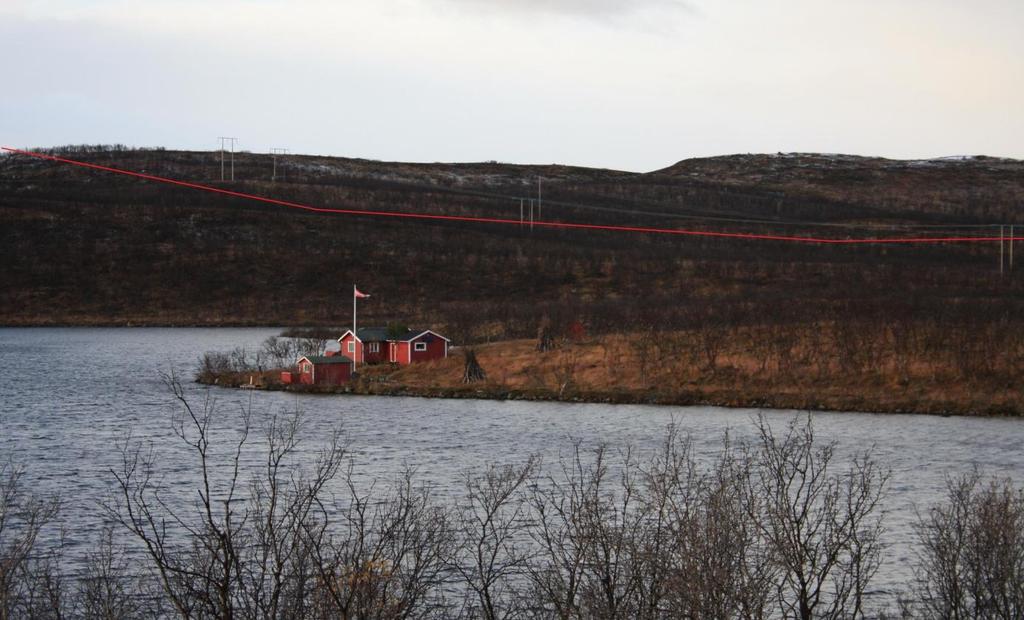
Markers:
69,395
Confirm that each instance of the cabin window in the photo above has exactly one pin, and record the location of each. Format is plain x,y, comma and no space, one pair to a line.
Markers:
374,347
307,367
421,346
351,346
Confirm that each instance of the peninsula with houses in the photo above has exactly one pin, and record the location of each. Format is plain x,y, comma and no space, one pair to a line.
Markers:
568,363
368,345
678,319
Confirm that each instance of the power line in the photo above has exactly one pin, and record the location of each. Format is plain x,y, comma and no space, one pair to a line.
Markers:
506,221
699,217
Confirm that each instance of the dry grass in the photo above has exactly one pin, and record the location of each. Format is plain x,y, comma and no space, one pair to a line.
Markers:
673,367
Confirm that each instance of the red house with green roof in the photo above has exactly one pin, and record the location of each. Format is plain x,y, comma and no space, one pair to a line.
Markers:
380,344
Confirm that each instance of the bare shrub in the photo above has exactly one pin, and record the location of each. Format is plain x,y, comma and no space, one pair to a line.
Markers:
232,554
390,557
279,352
489,557
309,346
590,528
624,538
971,561
821,527
30,583
213,364
109,589
720,566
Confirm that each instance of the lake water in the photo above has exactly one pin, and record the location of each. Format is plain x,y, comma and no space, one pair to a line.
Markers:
68,396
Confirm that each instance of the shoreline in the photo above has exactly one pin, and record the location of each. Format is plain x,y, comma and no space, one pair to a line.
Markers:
724,399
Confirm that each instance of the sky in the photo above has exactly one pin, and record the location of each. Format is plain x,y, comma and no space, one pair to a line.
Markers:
625,84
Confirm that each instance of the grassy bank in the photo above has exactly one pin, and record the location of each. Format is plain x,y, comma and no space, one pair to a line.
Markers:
809,368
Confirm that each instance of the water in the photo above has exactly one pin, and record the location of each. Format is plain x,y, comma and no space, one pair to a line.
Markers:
69,395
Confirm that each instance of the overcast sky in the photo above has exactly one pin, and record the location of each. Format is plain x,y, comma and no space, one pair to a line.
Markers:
628,84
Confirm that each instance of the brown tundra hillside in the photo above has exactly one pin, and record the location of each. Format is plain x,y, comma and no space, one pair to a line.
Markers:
88,247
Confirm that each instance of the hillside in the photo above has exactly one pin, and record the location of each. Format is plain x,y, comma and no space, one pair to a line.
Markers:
88,247
969,188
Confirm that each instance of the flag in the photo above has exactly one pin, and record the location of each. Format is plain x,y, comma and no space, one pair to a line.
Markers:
360,294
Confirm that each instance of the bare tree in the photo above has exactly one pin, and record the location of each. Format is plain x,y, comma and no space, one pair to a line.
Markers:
545,336
391,557
111,589
615,520
232,555
310,345
29,573
971,562
644,345
489,558
820,527
592,530
279,352
719,565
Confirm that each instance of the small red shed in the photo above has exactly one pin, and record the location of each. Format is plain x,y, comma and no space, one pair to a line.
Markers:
321,370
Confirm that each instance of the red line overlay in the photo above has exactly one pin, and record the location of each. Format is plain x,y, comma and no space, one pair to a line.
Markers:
505,221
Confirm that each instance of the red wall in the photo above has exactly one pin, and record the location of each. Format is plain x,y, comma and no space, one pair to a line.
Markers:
326,374
333,374
366,356
303,376
357,355
380,356
435,350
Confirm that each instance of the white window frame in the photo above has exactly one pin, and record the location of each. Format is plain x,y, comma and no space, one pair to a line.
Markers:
374,347
419,347
351,346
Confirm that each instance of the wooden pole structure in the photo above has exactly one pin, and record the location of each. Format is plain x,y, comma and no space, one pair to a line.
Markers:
1001,250
1011,248
355,339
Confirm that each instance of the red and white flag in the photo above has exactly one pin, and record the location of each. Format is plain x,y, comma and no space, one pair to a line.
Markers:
360,294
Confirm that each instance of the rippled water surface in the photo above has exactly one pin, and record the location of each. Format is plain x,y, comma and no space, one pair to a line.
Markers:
69,395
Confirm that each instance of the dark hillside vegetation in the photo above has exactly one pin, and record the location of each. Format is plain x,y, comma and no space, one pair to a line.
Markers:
89,247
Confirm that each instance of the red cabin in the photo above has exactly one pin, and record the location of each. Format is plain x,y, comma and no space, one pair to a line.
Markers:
379,344
321,370
420,347
369,347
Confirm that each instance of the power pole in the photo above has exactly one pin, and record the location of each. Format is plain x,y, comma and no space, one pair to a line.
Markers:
540,216
274,152
233,140
1000,250
1011,248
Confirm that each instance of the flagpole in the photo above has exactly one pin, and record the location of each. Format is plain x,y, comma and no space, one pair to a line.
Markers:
355,339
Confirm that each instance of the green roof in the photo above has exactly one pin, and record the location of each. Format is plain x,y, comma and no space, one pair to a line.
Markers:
384,334
373,334
412,334
325,359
